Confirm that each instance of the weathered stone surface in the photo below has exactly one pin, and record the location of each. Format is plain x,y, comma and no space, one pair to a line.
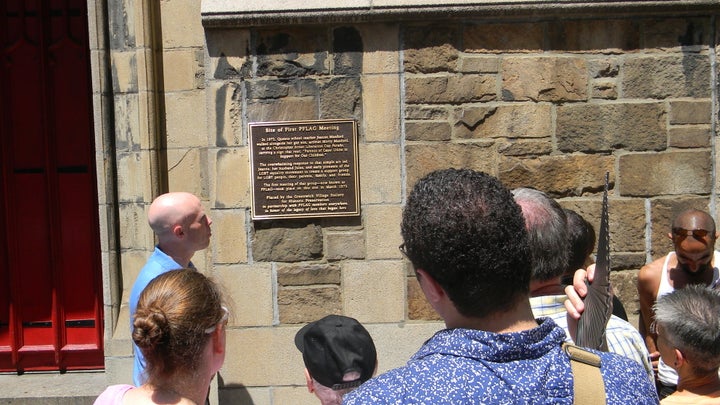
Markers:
225,119
421,112
662,212
690,112
344,245
381,109
605,89
478,64
521,37
544,78
262,89
689,33
347,51
380,44
594,35
340,98
678,172
378,163
308,274
430,49
627,221
229,236
524,147
382,229
603,68
558,175
418,307
624,284
372,290
232,174
686,136
509,121
666,76
604,127
427,130
292,52
424,158
449,89
284,109
286,241
227,50
627,260
308,304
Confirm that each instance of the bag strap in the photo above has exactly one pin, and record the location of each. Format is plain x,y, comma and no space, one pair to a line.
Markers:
587,380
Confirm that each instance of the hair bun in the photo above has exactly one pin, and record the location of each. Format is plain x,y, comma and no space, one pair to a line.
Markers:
150,328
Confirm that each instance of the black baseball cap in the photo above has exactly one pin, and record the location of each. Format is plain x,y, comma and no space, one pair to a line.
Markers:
336,345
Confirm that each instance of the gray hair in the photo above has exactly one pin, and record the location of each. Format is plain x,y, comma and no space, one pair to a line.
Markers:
690,319
546,224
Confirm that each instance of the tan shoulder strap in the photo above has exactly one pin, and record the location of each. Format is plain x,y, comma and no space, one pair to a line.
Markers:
587,380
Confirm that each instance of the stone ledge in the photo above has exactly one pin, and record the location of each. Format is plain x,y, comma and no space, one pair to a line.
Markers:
71,388
228,13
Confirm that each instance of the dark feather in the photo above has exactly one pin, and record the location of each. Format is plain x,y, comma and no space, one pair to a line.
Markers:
598,302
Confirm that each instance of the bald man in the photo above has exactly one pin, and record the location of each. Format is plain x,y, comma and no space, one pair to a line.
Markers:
182,228
694,261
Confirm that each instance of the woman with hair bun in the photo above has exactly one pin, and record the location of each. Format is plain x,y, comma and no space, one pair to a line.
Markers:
180,328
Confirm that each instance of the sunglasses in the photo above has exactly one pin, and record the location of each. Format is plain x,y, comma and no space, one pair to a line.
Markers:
696,233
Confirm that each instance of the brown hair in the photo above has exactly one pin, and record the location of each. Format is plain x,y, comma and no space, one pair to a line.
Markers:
174,311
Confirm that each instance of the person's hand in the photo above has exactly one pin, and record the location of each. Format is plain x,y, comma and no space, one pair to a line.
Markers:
654,360
577,291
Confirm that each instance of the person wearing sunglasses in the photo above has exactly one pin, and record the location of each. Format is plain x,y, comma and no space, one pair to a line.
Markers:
179,326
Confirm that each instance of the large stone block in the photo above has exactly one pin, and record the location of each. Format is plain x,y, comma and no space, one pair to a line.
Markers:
423,112
690,136
187,171
303,274
381,108
379,173
261,357
133,169
307,304
688,33
498,38
286,109
544,78
662,212
422,159
604,127
183,69
374,291
624,284
601,35
232,174
249,292
347,50
450,89
678,172
224,114
690,112
626,216
524,147
227,52
277,241
666,76
430,49
558,175
186,121
396,343
427,131
125,72
381,45
340,98
478,64
229,235
128,136
344,245
382,229
181,25
509,121
293,52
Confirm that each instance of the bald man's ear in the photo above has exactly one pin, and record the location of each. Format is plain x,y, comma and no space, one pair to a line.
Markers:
178,231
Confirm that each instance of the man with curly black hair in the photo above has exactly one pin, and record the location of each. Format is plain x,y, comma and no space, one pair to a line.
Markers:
466,239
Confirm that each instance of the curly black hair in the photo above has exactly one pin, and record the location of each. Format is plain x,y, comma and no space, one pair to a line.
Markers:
465,230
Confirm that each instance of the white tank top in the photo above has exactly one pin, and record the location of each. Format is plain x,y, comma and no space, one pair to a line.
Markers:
666,374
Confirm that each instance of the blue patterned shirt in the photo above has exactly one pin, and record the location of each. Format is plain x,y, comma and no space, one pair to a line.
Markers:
464,366
622,338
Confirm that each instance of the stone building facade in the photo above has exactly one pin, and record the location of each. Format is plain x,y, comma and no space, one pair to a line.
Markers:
543,94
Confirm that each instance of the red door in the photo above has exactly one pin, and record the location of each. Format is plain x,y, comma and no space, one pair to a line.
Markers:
50,273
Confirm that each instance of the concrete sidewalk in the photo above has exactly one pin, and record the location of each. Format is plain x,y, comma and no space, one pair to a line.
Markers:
71,388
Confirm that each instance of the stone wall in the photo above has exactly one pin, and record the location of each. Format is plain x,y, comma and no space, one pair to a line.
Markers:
536,100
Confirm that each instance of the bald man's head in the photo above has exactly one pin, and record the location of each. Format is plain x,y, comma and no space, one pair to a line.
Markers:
693,235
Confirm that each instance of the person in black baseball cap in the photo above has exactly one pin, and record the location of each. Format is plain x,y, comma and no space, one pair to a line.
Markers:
339,355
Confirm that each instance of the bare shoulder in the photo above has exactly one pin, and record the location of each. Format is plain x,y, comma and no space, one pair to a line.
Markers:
649,276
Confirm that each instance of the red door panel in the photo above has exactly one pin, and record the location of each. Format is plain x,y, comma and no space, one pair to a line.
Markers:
50,274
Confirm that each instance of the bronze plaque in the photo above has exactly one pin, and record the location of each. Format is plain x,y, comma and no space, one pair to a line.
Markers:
303,169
